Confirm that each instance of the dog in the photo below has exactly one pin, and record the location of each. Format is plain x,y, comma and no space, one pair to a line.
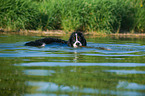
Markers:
76,39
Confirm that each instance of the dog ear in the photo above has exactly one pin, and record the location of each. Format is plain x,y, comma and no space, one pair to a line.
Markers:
69,41
84,42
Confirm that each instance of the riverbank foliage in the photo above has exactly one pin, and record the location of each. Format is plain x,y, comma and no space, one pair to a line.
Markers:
85,15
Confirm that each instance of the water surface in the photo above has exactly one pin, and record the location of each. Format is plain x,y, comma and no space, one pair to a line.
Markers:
59,70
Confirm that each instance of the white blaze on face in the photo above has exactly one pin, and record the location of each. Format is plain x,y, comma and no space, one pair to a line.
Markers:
43,44
75,44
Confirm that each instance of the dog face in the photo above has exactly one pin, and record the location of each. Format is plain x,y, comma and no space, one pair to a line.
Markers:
77,40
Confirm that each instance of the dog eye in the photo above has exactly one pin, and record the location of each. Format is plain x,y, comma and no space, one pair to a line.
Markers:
78,37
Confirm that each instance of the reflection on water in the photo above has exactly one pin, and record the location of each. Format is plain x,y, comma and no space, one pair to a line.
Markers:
133,86
52,87
126,71
59,70
81,64
39,72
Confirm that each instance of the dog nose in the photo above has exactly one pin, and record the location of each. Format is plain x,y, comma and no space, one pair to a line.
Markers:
78,44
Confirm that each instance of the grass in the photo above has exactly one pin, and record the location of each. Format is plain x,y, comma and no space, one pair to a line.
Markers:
108,16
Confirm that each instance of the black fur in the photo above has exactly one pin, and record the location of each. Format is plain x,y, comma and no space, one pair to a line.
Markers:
70,42
81,38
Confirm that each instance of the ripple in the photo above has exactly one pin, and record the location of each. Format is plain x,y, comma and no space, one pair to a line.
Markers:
53,87
39,72
18,50
81,64
128,85
126,71
112,55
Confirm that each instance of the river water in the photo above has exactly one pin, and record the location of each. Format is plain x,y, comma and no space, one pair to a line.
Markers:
59,70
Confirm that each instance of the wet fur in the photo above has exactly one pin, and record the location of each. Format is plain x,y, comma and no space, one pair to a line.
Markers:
81,39
70,42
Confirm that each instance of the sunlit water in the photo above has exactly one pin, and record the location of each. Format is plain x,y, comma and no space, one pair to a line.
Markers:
59,70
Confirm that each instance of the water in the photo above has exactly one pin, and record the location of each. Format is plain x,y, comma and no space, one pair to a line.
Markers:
59,70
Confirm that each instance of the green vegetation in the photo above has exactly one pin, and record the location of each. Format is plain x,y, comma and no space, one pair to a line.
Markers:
69,15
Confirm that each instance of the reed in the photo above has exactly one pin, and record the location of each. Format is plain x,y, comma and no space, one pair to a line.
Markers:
17,14
86,15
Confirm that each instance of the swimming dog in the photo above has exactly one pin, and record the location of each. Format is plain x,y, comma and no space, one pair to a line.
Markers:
76,39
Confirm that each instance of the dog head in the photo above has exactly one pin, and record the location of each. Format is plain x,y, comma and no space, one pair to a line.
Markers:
77,40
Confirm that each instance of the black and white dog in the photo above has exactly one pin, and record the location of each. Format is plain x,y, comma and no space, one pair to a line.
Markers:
76,40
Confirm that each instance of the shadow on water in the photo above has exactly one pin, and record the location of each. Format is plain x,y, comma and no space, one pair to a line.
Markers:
61,70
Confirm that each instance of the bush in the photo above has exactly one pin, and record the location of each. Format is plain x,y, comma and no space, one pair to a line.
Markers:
93,15
17,14
69,15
